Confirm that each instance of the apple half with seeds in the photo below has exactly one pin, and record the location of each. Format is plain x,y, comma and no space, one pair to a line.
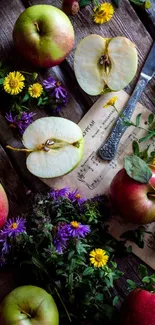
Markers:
54,146
103,64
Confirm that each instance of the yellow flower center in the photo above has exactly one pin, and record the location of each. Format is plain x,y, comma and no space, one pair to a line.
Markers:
75,224
13,83
98,257
78,196
14,225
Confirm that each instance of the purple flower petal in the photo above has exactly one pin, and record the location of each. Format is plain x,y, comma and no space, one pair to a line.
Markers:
20,121
13,227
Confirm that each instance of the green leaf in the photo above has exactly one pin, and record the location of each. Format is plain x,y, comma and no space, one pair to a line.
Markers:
132,284
136,236
25,98
142,271
115,301
148,136
83,3
138,117
150,118
1,81
137,169
99,297
146,279
135,148
88,271
116,3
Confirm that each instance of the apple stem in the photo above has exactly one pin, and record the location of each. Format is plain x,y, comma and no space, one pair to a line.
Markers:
37,26
25,313
151,195
19,149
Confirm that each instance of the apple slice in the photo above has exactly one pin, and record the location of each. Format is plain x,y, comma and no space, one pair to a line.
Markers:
104,63
55,146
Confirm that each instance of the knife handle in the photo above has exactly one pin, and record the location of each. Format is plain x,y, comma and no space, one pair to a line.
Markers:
108,149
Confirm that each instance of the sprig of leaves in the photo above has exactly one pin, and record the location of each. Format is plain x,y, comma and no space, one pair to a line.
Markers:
136,236
148,281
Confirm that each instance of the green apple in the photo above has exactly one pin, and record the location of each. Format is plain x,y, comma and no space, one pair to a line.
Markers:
28,305
103,64
54,145
44,35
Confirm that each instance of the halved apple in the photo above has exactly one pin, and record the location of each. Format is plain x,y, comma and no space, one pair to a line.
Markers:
103,64
54,146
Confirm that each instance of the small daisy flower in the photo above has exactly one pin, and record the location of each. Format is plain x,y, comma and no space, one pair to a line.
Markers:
20,121
98,257
57,92
103,13
111,102
77,230
14,83
56,193
35,90
75,196
14,227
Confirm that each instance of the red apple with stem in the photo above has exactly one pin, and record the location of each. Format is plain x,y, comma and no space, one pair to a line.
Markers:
138,308
134,201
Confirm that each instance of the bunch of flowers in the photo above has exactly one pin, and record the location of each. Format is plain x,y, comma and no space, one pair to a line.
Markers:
23,90
62,245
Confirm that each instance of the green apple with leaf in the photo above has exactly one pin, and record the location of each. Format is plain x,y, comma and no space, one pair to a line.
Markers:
28,305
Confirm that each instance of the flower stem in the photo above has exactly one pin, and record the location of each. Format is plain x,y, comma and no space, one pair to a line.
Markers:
63,304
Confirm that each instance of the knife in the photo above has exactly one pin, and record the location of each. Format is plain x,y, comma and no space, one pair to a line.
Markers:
108,149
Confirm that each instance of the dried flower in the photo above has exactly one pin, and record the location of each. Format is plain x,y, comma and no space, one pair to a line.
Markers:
14,83
77,230
111,102
75,196
20,121
35,90
98,257
103,13
57,193
13,227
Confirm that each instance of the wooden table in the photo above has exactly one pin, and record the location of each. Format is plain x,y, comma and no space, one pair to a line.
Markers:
132,22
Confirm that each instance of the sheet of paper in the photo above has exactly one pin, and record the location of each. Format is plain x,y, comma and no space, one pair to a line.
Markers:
93,175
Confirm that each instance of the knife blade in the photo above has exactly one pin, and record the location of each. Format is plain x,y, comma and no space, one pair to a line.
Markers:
108,149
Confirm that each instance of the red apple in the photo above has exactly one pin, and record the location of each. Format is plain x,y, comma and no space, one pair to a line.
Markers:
138,308
134,201
4,206
44,35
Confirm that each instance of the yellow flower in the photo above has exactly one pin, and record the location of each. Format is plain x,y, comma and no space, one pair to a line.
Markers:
14,83
111,102
98,257
147,4
103,13
35,90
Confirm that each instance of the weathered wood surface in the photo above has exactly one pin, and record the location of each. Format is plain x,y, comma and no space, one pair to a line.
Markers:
13,174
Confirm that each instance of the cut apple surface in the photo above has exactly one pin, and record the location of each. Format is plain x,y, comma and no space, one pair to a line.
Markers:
105,63
55,146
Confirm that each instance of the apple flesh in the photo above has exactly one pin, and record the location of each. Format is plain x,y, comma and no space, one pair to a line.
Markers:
28,305
55,146
104,63
4,206
44,35
134,201
138,308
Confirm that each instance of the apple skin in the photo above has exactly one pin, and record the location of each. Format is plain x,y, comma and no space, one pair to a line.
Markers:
130,198
4,206
28,305
44,35
138,308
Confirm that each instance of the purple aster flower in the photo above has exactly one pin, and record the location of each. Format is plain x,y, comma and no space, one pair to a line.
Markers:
56,193
61,237
13,227
77,230
20,121
75,196
59,93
